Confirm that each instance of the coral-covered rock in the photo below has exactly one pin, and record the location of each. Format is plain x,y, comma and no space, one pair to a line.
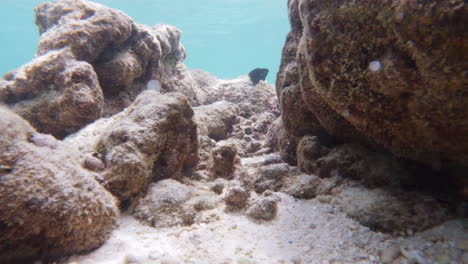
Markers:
50,206
384,72
56,93
155,138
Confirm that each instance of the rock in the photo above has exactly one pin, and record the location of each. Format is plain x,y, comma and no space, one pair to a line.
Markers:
216,120
389,254
163,206
303,186
87,53
354,161
218,186
50,206
386,212
308,151
263,208
269,177
250,99
225,158
154,138
362,70
206,146
56,93
257,75
277,137
85,27
236,197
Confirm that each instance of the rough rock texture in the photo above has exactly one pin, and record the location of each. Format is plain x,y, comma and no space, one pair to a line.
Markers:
163,206
216,120
262,208
235,196
92,61
392,213
268,177
56,93
250,99
304,186
348,160
389,72
49,205
224,160
308,151
155,138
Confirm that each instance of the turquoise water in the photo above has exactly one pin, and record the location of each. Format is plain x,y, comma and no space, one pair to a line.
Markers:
226,37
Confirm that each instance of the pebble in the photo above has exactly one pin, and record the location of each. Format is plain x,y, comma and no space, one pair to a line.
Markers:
390,254
413,255
243,261
352,226
324,198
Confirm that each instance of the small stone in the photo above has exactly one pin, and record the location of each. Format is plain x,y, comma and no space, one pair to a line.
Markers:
236,197
413,255
297,260
353,226
243,261
218,186
324,198
263,209
390,254
410,232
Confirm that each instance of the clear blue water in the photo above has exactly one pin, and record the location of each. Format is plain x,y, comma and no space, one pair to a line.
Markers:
226,37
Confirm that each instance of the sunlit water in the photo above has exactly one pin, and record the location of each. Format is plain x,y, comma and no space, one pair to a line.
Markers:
226,37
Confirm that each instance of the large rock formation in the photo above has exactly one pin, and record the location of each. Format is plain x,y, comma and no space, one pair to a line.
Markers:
92,61
50,206
390,73
153,139
56,93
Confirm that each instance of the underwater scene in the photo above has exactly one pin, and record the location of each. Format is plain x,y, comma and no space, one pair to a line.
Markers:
234,132
243,35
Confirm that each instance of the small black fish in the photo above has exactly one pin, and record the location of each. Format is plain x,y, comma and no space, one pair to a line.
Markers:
258,75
